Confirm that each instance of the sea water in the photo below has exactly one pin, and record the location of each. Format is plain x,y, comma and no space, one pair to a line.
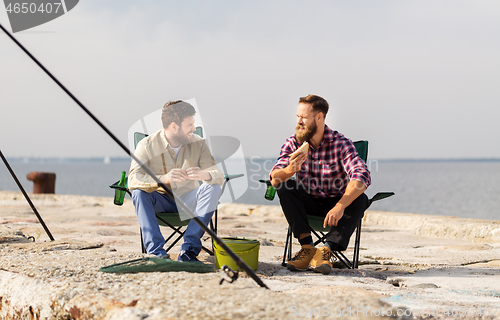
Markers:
466,189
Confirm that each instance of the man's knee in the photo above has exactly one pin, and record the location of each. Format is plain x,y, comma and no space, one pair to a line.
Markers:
358,206
217,190
209,191
214,190
361,202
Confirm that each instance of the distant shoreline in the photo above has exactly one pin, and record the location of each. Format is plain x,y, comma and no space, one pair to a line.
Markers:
127,159
66,160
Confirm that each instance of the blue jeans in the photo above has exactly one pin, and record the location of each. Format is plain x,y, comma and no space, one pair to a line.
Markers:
202,201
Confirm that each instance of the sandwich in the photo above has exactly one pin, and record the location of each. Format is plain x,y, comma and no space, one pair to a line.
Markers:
303,148
185,165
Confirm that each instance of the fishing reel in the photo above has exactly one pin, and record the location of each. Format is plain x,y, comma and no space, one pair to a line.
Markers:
230,273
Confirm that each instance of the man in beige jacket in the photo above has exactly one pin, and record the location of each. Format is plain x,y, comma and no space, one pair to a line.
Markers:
181,160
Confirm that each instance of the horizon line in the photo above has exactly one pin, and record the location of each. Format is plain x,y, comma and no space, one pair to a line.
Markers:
121,158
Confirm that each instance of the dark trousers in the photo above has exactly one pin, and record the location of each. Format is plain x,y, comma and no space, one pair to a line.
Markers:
297,204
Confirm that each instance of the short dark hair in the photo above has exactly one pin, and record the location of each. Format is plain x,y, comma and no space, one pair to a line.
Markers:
318,104
176,111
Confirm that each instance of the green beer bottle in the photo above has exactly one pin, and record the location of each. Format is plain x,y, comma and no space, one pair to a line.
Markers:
270,192
120,192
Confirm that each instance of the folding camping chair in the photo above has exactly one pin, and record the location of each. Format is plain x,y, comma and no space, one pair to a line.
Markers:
316,223
172,219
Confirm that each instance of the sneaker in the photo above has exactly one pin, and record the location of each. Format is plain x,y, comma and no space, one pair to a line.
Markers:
301,260
322,261
187,256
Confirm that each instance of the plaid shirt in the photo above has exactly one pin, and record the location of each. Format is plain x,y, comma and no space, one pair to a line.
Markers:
328,169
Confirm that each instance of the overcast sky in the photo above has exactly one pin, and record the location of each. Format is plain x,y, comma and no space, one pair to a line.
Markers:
418,79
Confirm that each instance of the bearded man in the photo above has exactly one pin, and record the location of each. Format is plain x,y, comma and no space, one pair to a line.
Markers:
198,185
330,181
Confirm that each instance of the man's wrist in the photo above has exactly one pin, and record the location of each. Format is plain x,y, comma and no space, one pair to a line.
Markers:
209,177
340,205
163,178
289,170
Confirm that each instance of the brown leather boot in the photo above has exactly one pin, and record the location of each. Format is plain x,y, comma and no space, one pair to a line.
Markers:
301,261
322,260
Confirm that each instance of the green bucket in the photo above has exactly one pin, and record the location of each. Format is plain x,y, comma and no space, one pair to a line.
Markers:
246,249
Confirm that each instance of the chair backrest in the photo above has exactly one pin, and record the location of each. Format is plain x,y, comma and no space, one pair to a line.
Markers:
362,148
199,131
138,136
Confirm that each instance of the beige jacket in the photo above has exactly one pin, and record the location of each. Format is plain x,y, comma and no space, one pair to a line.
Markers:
155,152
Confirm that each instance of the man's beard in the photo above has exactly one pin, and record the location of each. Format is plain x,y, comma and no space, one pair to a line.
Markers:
307,134
182,138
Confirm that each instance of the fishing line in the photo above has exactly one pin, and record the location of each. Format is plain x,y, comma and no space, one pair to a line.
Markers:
169,192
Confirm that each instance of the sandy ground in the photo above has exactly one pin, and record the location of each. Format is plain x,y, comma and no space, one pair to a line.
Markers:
412,266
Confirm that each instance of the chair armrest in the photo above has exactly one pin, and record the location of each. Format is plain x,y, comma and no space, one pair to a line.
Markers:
228,177
116,186
380,196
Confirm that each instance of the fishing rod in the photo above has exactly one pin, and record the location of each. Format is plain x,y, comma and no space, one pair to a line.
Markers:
241,264
26,196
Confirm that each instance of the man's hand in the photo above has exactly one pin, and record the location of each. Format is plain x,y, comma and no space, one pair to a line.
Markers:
354,189
281,175
195,173
333,216
175,175
296,162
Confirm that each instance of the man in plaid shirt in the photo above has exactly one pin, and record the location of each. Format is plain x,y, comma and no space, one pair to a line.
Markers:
329,182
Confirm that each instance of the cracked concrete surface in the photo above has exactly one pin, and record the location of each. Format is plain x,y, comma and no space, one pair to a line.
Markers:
407,265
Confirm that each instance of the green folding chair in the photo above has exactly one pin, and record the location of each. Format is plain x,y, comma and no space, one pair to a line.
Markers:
172,220
316,223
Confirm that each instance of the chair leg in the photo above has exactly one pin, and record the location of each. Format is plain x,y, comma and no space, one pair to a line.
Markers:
355,257
213,227
210,252
288,247
214,223
211,224
175,230
321,239
173,243
178,230
342,258
355,260
142,243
